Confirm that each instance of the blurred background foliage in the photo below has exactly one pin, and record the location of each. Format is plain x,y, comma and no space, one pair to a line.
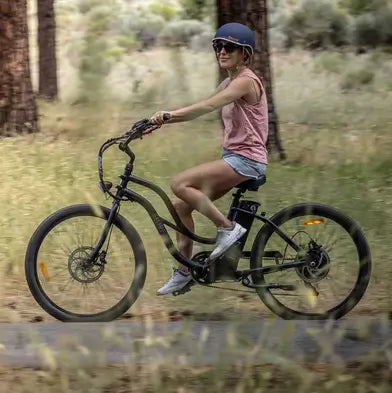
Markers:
121,60
113,30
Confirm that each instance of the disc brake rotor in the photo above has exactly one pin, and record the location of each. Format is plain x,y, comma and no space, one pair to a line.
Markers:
82,269
317,267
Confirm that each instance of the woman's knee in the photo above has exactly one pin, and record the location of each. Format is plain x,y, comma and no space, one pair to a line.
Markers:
178,183
181,207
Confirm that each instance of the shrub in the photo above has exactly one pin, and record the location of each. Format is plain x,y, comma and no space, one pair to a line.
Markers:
277,38
378,58
358,7
182,32
166,11
366,31
278,14
95,60
146,27
340,26
356,79
128,42
331,62
193,9
201,41
100,19
115,53
85,6
151,22
384,22
317,24
278,17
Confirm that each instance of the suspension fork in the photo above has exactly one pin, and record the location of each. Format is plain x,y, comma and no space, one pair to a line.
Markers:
106,229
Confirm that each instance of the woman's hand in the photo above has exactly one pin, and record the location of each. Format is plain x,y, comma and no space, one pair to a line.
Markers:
160,117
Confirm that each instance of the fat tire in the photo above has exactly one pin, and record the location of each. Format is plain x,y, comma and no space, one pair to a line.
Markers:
31,264
356,235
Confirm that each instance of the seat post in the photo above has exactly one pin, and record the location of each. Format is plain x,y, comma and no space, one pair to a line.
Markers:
236,200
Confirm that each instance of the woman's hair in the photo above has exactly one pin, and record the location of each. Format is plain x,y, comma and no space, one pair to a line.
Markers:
248,57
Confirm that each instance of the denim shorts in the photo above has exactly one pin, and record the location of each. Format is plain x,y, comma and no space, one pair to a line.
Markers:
243,165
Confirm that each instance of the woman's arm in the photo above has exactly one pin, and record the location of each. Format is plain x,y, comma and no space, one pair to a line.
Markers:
237,89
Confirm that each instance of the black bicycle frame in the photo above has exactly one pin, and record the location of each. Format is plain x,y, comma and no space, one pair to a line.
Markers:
124,193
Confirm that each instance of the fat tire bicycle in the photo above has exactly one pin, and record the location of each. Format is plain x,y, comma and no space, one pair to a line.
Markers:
74,288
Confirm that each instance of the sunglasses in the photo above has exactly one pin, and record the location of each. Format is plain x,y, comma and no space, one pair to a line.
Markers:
229,46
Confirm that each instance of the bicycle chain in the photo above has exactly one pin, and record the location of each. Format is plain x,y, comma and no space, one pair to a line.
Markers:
225,288
201,257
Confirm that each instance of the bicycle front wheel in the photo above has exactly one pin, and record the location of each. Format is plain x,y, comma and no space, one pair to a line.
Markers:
337,272
70,287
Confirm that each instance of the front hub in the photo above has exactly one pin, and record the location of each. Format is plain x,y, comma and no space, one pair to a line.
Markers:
82,269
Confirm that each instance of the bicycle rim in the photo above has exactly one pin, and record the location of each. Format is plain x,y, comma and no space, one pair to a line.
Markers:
66,284
341,268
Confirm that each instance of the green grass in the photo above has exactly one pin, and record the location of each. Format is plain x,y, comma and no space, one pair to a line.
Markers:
335,117
330,160
338,143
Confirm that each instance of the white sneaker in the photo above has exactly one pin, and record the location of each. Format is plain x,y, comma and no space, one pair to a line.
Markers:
225,238
176,282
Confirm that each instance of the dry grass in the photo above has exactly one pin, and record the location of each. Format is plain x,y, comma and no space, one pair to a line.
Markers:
352,378
338,143
345,165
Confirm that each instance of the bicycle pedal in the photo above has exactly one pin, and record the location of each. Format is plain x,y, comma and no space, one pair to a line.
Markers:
185,289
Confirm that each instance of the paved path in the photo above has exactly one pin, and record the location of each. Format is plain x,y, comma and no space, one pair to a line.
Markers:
197,342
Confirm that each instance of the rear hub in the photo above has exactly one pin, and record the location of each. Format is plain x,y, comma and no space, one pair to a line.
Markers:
317,266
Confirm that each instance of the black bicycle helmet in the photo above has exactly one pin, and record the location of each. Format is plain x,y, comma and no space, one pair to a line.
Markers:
237,34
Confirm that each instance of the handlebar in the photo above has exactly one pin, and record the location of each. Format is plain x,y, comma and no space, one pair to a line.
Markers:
140,128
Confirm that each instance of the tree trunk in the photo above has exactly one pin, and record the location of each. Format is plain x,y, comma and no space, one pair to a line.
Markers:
18,112
47,50
254,14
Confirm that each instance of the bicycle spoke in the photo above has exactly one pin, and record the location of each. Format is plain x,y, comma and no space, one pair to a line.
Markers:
333,279
94,290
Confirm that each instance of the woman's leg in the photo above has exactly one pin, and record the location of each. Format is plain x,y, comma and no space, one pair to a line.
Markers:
198,186
185,213
184,243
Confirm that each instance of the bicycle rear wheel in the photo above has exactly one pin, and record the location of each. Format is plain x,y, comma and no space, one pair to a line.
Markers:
335,279
70,287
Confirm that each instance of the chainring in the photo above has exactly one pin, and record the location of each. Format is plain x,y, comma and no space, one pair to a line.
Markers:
201,275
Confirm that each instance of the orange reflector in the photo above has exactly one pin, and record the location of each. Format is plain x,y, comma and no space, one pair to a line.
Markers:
44,271
315,221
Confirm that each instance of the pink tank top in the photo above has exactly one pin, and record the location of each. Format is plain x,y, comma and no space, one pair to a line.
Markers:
245,125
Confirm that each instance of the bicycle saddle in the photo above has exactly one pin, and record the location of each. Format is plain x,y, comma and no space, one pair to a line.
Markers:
251,185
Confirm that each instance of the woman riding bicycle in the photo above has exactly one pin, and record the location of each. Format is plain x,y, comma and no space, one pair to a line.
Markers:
245,116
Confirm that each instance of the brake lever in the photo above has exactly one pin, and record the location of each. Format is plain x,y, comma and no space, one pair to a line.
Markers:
138,127
150,130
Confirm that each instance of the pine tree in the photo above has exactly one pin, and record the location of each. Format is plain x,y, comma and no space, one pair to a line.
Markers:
18,111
